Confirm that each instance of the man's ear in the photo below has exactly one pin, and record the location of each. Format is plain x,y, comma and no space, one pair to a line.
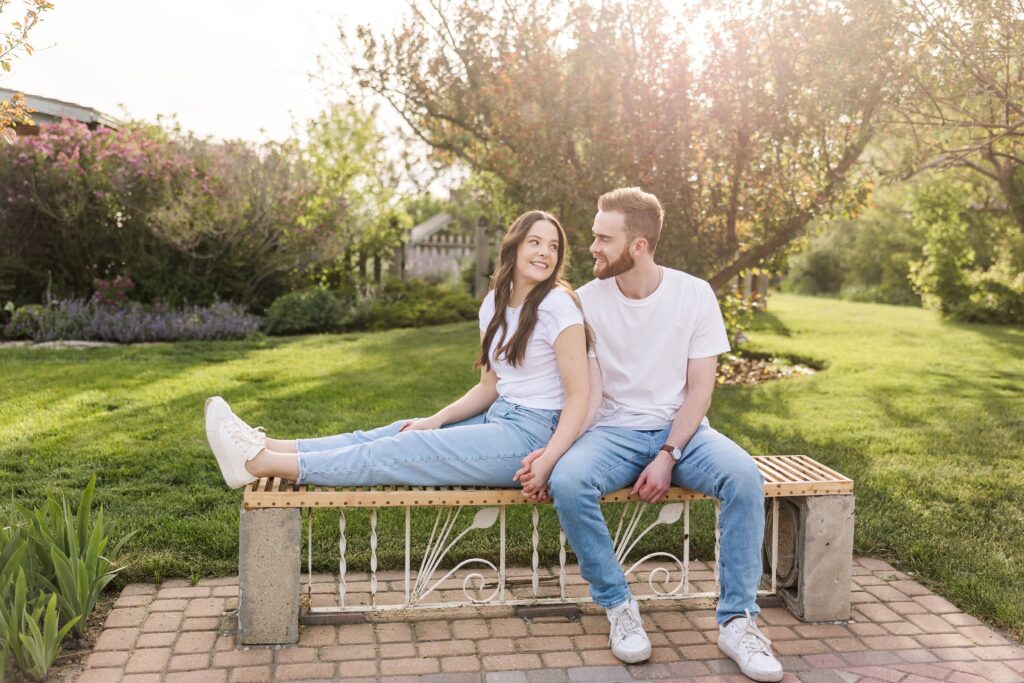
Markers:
639,245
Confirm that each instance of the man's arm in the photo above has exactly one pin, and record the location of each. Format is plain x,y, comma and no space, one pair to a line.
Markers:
655,480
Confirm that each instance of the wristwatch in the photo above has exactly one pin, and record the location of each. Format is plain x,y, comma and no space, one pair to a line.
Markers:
674,451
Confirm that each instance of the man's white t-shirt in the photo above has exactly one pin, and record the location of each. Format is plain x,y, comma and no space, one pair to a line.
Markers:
644,345
536,382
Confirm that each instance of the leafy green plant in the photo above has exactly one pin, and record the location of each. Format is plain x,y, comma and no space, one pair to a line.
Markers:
40,647
309,310
66,551
413,303
13,549
34,649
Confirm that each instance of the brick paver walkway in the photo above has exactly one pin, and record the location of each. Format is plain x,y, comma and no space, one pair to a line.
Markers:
900,631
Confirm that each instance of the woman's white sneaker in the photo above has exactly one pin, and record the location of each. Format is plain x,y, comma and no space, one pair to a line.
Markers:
627,637
749,648
232,441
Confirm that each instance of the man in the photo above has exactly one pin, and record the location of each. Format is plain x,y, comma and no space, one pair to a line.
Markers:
658,334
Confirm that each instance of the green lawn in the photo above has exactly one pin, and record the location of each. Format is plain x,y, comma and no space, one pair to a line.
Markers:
926,416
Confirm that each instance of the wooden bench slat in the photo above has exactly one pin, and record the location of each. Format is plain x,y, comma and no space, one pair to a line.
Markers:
792,474
785,476
825,471
770,477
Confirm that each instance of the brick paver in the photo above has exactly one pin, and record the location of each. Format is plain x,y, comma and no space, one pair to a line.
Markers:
899,632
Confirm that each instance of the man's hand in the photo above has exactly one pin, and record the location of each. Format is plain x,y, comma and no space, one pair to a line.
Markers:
431,422
655,480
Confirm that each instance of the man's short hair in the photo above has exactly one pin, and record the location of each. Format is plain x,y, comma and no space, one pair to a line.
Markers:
642,210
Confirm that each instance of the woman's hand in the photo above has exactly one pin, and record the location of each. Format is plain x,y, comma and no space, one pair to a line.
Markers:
432,422
534,474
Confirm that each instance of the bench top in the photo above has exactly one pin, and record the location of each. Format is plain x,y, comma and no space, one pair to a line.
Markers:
784,476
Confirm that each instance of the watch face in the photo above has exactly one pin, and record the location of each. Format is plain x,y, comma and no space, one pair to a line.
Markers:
677,454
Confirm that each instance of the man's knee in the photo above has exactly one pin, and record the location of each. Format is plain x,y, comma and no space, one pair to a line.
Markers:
743,483
571,479
569,484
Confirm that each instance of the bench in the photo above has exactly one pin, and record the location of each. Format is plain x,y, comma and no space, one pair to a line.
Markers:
808,549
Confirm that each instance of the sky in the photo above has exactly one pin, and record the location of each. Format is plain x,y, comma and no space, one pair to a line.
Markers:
225,68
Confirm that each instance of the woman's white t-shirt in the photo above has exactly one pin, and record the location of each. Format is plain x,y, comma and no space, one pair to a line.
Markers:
535,382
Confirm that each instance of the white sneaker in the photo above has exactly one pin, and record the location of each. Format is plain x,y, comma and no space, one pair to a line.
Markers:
628,639
233,442
749,648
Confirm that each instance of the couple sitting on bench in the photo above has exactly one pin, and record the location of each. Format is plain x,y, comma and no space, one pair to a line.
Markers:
571,410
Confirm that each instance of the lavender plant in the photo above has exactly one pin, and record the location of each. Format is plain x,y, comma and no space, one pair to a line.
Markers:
130,323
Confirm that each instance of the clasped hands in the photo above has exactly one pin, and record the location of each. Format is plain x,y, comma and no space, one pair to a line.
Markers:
652,484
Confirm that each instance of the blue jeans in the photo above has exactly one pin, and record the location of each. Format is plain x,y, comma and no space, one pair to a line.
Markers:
485,450
606,459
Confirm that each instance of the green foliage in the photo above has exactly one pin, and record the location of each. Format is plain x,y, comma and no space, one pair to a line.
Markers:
560,102
13,551
189,219
33,650
972,263
413,303
310,310
818,270
866,258
67,552
40,647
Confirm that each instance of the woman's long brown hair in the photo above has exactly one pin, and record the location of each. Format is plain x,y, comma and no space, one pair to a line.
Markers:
515,349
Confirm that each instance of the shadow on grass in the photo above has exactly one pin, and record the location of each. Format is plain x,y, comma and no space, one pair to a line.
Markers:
765,321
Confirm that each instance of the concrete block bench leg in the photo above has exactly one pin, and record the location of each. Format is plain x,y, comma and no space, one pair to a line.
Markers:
824,557
269,564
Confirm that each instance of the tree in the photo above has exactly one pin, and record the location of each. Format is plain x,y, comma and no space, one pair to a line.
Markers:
354,190
560,102
964,104
12,42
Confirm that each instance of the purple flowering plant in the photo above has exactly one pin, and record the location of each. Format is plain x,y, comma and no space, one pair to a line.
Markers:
130,323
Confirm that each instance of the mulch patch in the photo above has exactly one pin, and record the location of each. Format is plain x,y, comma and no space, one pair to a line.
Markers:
734,370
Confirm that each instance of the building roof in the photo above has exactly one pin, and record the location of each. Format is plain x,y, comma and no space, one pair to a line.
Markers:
429,228
59,109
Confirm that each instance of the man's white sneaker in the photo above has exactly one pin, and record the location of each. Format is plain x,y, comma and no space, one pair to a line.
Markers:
628,639
749,648
232,441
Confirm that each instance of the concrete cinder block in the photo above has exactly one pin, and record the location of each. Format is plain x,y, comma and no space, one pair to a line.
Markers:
824,553
269,565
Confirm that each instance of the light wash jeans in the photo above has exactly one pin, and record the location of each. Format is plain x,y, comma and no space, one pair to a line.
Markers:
485,450
609,458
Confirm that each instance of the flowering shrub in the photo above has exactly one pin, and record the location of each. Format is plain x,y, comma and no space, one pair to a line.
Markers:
112,293
190,219
133,322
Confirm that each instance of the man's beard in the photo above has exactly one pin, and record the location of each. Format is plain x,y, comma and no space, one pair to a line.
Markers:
616,267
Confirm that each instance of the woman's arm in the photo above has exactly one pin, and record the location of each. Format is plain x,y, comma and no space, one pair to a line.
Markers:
473,402
573,366
596,393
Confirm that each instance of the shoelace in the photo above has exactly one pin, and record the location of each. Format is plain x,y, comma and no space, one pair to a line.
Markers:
626,624
244,433
753,640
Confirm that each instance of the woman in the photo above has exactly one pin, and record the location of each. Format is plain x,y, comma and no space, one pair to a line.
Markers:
532,397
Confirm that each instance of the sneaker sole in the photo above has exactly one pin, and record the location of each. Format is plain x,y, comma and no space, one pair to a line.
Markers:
754,675
641,656
228,463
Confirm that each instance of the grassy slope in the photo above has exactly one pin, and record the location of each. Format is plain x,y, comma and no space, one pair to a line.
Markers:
925,415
